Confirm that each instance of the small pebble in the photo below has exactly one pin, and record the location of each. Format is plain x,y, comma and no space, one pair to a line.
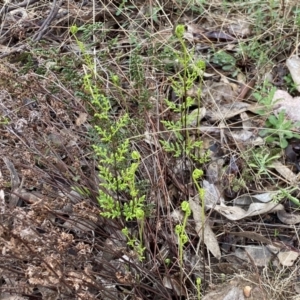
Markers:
247,291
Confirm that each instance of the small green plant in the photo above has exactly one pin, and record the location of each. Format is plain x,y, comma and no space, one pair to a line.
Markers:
225,60
255,51
287,193
198,284
118,164
182,236
122,7
135,244
264,96
291,85
183,146
167,261
180,230
197,174
261,160
4,121
192,71
82,190
279,130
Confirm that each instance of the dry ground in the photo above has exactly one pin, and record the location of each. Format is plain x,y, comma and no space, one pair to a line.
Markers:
54,242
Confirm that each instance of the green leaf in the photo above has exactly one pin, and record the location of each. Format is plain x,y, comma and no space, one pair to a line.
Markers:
179,31
273,121
73,29
283,143
135,155
185,206
197,174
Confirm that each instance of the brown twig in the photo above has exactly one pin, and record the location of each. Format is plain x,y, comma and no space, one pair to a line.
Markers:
38,35
25,3
245,89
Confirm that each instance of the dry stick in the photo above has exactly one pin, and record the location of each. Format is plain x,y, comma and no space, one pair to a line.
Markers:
22,4
245,89
15,182
38,35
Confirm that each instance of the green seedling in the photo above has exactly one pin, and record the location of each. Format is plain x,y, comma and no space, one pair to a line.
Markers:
118,164
167,261
287,194
264,96
279,130
291,85
180,229
261,160
182,236
4,121
192,71
198,283
224,60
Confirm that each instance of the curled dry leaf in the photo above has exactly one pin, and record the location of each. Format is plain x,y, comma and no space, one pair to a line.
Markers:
236,213
284,171
286,218
209,237
246,200
293,64
291,105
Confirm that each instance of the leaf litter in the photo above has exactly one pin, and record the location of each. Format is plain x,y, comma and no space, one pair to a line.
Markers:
49,231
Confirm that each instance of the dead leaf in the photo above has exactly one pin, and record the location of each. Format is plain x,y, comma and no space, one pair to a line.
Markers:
227,111
225,293
252,235
215,92
259,255
287,258
209,237
236,213
293,64
174,284
241,135
212,195
240,28
286,218
284,101
284,171
81,119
